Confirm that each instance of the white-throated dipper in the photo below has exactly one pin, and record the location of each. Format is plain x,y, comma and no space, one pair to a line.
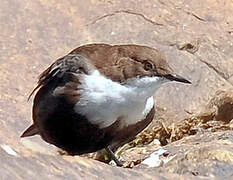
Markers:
98,96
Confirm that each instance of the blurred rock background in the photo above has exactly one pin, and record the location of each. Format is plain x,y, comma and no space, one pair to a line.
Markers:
193,123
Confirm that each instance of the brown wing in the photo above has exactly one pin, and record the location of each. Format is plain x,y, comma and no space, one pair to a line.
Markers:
47,75
96,53
73,64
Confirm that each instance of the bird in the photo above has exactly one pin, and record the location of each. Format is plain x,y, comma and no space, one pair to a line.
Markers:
98,96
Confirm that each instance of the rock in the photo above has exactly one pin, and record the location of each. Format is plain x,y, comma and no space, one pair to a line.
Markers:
208,155
220,108
195,36
216,115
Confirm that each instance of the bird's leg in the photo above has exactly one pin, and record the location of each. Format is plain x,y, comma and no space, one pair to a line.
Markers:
113,157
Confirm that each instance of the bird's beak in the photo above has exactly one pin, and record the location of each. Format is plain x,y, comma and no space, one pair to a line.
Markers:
178,78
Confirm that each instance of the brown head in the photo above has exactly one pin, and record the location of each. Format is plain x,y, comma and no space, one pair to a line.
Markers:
141,61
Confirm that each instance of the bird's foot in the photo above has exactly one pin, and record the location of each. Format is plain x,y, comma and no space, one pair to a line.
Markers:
113,157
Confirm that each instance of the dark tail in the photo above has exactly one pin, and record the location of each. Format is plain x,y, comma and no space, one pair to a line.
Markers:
31,131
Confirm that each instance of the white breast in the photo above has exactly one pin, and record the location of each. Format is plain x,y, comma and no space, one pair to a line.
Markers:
103,101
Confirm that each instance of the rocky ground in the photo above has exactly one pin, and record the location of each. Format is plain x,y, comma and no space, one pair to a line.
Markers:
193,124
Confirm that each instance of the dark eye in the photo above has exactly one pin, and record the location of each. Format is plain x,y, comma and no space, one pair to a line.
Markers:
148,65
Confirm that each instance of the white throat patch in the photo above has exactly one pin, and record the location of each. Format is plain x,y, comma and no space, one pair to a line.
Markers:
103,101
